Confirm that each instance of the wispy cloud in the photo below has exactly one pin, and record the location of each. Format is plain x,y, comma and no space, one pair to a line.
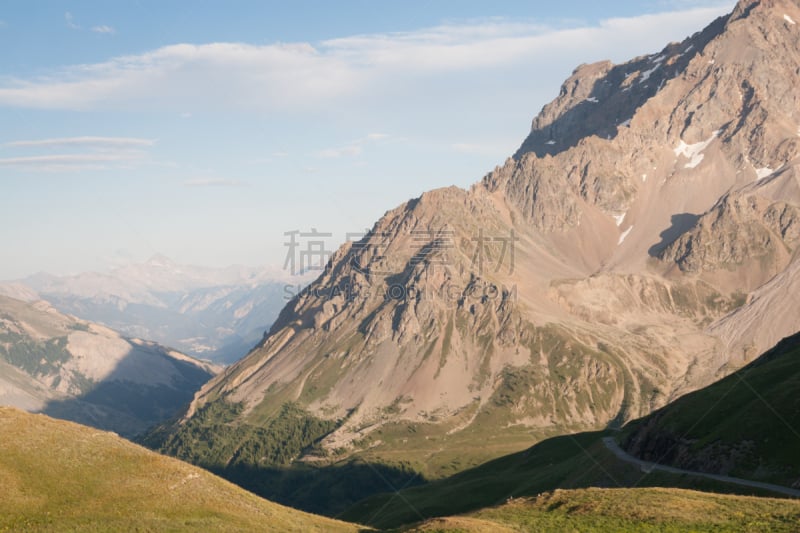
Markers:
214,182
70,20
3,24
353,148
349,150
74,162
77,153
685,4
98,142
103,29
66,159
306,76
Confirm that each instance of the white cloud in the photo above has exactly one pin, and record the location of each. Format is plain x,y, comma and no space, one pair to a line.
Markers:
302,76
213,182
103,29
92,142
210,76
70,20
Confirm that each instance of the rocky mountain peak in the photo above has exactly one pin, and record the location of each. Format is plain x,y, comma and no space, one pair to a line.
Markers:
599,99
593,276
746,8
727,88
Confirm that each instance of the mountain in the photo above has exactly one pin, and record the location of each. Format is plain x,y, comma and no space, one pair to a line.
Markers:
81,371
746,425
640,244
60,476
216,314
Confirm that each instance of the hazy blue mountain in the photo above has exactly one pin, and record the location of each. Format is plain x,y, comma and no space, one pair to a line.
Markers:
216,314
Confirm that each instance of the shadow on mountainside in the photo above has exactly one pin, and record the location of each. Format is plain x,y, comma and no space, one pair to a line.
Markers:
262,456
325,490
574,461
680,224
125,401
221,323
744,425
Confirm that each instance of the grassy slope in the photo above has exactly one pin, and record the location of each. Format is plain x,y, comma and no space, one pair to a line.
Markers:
656,510
62,476
572,461
262,458
745,425
761,411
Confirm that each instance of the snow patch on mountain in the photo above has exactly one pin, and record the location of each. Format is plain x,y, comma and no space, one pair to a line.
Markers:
694,152
647,73
763,172
624,235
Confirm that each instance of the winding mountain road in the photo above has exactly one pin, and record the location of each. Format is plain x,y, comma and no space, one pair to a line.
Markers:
648,467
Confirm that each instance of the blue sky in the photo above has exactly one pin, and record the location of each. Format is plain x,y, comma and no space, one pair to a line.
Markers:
205,130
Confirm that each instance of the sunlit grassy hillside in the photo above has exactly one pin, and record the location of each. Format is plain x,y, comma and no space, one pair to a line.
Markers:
60,476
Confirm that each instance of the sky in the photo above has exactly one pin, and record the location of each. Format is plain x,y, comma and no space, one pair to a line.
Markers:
207,130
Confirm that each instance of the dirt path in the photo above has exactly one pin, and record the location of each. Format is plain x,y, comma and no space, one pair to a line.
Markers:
648,467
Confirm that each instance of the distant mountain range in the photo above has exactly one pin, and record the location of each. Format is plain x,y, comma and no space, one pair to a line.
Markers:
82,371
216,314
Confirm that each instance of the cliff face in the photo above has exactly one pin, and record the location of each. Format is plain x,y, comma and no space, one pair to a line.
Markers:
600,272
743,229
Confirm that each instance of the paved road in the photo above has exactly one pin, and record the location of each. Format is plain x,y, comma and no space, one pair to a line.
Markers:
648,467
